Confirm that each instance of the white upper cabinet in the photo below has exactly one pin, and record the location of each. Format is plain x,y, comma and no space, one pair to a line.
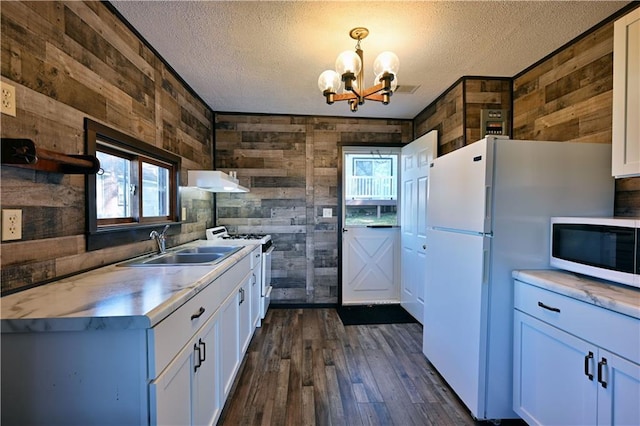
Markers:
626,96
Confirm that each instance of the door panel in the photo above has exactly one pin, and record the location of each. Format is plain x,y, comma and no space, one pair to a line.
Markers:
618,402
416,160
370,266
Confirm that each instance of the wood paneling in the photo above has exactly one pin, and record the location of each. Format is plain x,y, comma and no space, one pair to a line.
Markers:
568,97
68,61
290,165
456,113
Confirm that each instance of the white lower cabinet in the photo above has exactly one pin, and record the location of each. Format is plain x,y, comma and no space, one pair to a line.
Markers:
563,372
256,286
178,372
205,390
244,313
192,389
229,334
187,390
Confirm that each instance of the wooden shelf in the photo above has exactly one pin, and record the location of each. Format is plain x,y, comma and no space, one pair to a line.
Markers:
24,153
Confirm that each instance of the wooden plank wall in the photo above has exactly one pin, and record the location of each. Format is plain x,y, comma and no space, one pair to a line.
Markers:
456,113
446,115
290,164
68,61
568,97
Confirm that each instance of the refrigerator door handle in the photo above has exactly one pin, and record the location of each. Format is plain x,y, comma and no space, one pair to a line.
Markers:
487,202
485,266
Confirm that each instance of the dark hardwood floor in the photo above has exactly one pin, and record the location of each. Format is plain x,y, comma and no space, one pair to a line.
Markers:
303,367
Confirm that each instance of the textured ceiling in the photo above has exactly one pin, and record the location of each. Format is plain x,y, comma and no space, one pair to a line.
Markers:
265,57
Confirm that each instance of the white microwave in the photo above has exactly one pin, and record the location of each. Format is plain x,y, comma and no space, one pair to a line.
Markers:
606,248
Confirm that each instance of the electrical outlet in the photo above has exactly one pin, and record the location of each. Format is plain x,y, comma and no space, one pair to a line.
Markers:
327,213
8,99
11,224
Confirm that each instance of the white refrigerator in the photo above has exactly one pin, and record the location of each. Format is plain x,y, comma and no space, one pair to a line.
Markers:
489,209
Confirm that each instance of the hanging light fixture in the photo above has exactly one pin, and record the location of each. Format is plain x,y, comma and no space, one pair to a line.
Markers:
350,71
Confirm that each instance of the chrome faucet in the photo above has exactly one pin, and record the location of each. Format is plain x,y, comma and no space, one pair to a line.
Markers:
160,238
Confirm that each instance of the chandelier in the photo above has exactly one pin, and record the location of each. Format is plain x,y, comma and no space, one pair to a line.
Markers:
350,71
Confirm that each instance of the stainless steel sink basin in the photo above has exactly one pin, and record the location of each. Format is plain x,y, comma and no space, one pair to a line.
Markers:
187,256
211,249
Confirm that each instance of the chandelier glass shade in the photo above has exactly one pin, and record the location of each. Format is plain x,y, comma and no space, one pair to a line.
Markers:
350,71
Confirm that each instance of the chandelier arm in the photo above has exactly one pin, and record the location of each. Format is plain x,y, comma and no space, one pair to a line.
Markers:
376,97
373,89
344,96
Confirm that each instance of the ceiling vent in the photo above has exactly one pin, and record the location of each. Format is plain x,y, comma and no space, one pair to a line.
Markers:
406,89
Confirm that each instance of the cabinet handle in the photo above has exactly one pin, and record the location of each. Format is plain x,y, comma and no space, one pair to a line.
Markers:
199,361
198,314
241,291
547,307
602,363
587,364
204,351
255,279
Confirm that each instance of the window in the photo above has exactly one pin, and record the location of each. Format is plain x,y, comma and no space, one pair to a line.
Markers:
370,188
135,191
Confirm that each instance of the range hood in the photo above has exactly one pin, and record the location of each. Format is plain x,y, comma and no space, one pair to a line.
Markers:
214,181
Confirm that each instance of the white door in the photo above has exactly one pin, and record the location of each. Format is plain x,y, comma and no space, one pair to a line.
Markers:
370,234
170,392
551,387
618,401
415,162
206,401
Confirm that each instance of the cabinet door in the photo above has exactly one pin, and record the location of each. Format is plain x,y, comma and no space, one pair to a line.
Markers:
551,382
618,390
256,294
170,392
626,96
246,323
206,400
229,341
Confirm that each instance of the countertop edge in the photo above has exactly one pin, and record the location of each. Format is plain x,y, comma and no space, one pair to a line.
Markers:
202,277
612,296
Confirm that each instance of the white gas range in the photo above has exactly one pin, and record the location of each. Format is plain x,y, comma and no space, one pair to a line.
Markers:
220,235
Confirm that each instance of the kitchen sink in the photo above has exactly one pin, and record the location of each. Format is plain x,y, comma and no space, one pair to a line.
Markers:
211,249
187,256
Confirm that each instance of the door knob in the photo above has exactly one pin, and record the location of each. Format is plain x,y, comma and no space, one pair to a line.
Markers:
424,247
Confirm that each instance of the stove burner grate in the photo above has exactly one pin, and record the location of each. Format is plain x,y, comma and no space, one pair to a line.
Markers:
244,237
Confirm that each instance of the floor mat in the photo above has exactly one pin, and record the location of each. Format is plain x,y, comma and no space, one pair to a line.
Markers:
374,314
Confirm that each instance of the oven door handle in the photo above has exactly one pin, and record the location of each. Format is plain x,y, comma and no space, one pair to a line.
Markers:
269,250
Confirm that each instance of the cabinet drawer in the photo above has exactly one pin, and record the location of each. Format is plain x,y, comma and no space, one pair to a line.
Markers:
610,330
167,338
233,277
256,256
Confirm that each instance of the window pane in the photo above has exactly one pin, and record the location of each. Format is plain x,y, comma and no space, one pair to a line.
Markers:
113,195
371,189
155,190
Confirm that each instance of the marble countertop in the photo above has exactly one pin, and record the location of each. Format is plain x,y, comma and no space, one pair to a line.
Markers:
615,297
112,297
